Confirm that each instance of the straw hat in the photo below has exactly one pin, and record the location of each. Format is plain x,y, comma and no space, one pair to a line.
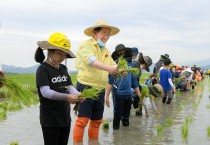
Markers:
156,90
58,41
101,23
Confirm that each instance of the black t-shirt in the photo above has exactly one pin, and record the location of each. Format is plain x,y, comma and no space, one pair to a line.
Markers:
53,113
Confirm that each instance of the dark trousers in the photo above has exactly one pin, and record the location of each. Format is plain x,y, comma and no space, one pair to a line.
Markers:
136,100
122,109
56,135
90,108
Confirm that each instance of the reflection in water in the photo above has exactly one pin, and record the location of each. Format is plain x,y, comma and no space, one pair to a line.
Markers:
23,126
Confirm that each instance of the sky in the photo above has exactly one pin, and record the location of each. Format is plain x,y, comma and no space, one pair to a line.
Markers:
180,28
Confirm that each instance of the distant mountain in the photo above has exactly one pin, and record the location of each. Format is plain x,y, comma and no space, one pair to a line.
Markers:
19,70
205,67
201,63
205,64
26,70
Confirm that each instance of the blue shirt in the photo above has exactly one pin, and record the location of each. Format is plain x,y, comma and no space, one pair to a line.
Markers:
122,85
165,74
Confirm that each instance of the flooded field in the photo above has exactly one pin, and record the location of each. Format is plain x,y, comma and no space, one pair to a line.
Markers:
23,126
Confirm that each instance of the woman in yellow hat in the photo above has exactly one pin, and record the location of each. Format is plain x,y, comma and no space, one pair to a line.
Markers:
55,89
94,62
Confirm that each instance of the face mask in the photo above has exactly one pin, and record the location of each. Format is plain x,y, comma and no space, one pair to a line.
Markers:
100,43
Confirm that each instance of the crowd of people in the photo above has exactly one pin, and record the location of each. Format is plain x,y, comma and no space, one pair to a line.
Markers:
98,68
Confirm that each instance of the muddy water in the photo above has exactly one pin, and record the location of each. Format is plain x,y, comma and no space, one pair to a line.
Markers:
23,126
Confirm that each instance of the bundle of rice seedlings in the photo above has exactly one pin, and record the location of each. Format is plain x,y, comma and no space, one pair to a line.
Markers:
122,67
105,125
144,91
17,94
88,93
14,143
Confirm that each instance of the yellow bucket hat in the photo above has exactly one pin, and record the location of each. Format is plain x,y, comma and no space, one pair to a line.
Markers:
101,23
58,41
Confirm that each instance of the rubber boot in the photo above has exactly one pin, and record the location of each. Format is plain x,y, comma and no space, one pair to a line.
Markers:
116,121
139,112
164,99
79,128
125,122
169,101
93,129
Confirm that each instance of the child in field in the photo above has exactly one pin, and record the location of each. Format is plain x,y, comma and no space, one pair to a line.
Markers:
152,92
166,82
55,89
143,63
121,87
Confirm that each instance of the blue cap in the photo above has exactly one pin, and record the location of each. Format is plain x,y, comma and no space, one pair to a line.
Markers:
135,50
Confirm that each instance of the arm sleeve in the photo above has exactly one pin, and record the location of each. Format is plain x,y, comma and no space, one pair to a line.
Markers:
51,94
170,82
92,59
72,90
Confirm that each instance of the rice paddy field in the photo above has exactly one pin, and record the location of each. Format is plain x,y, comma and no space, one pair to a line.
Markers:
184,122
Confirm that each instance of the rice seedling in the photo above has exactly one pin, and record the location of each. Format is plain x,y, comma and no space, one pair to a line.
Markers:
88,93
178,93
185,132
14,143
122,67
153,141
185,128
208,131
168,123
16,93
105,125
3,114
179,109
194,105
159,129
184,102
